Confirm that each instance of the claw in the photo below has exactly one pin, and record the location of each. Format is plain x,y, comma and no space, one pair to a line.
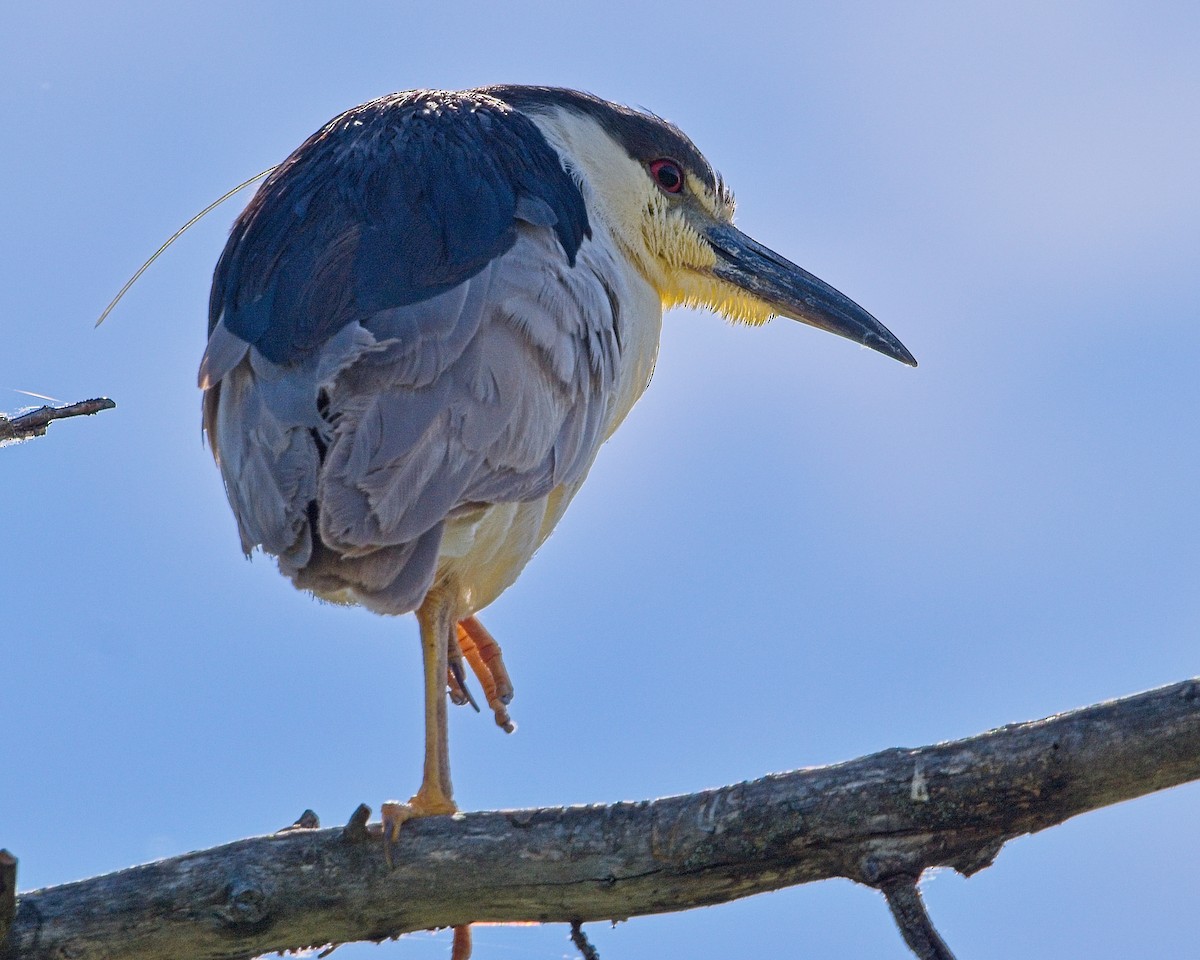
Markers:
483,654
426,803
460,693
394,815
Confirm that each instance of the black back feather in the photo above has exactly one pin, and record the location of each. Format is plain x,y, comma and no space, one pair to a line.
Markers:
390,203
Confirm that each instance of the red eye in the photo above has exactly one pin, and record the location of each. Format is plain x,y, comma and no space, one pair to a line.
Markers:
667,174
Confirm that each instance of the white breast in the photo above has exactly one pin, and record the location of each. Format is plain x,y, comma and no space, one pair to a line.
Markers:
485,550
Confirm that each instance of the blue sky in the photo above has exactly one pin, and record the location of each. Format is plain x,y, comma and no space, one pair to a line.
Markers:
794,552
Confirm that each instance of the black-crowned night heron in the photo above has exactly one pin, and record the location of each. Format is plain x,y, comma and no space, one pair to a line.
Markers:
429,319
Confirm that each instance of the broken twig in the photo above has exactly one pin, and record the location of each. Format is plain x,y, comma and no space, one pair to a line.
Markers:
35,422
908,910
8,893
582,943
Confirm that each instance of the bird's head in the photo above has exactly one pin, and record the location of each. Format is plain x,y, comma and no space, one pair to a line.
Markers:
672,215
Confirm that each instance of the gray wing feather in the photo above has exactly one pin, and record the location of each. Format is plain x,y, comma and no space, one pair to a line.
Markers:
263,424
497,406
491,392
269,466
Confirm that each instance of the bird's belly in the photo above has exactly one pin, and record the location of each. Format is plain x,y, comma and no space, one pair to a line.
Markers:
484,551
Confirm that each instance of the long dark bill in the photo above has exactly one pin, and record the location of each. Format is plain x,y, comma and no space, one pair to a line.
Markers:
795,293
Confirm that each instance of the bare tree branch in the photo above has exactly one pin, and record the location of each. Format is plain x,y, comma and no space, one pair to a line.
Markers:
908,910
35,422
880,820
582,943
8,892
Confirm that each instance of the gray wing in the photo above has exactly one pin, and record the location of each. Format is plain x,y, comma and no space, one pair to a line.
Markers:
347,463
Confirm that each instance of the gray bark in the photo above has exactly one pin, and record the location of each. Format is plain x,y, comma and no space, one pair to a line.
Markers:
35,422
879,820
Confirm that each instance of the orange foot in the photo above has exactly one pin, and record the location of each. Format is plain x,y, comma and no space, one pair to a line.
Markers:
482,652
395,815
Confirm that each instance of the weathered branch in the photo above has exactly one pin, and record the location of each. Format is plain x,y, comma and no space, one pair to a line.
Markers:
880,820
908,910
8,892
35,422
582,943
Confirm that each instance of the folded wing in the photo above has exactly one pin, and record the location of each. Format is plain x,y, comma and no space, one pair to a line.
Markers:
399,332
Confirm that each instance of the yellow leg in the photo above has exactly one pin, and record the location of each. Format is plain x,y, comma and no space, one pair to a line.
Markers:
436,794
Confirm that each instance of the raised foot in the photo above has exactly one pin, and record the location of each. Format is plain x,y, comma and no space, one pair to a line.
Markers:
482,653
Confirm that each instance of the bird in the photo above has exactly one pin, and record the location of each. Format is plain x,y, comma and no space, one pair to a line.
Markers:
426,323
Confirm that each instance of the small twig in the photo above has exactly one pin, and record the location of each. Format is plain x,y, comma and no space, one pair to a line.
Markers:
8,892
35,422
916,926
306,821
356,829
582,943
